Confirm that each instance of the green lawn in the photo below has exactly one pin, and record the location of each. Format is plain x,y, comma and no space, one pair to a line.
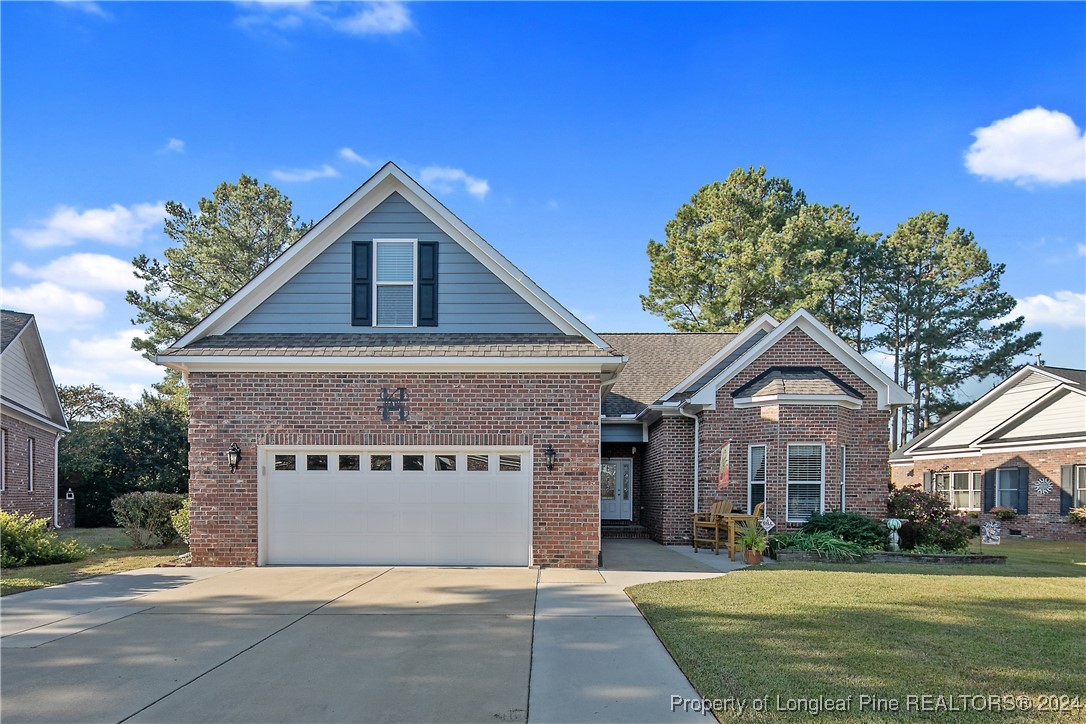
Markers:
886,631
112,553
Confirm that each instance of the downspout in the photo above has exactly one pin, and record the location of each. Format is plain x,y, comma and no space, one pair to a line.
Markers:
56,480
697,445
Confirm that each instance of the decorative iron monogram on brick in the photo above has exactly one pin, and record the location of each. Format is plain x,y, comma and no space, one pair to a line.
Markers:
393,403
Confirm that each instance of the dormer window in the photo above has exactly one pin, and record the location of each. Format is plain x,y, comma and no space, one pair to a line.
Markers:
394,282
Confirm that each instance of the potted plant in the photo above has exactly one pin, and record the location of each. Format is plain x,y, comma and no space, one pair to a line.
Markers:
754,543
1003,512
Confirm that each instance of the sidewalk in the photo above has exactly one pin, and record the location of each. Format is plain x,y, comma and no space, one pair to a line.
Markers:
594,658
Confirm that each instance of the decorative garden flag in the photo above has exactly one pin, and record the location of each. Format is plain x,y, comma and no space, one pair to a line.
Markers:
990,533
767,524
725,463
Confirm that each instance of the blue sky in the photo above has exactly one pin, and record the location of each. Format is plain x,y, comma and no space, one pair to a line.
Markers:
566,134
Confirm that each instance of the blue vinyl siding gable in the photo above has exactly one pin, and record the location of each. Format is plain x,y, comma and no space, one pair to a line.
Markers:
318,298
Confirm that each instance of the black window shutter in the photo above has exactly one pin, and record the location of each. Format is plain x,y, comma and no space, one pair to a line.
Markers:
1023,491
362,284
989,490
927,481
1067,488
427,284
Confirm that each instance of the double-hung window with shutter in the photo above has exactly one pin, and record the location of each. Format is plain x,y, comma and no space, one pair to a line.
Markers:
961,489
1079,494
755,475
806,481
394,282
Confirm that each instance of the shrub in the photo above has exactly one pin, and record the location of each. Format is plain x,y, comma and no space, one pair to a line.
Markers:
823,543
932,520
1078,515
854,527
146,516
1003,512
180,520
28,541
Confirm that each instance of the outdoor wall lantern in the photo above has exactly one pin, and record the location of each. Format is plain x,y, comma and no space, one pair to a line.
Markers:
551,455
233,456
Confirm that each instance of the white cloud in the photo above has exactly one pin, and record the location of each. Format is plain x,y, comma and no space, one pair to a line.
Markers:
303,175
108,361
90,8
55,307
353,18
348,154
1034,146
882,360
1064,309
174,145
1082,249
443,179
83,271
125,225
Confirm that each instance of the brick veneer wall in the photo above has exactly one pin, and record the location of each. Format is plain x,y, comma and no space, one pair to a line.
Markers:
864,432
1043,519
454,409
628,450
15,498
668,483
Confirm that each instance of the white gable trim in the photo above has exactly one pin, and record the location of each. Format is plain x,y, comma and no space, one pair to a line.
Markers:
765,322
845,401
977,405
1008,423
349,212
888,392
39,363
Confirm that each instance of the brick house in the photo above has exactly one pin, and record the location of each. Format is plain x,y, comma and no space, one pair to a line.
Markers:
1021,445
395,391
31,421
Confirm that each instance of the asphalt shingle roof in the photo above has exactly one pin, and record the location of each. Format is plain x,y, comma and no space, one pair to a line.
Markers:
658,362
1075,377
11,323
796,381
421,344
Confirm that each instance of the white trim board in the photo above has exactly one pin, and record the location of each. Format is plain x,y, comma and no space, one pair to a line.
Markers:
206,363
389,179
979,404
888,392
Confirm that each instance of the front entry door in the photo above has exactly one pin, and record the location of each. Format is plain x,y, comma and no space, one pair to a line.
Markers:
616,489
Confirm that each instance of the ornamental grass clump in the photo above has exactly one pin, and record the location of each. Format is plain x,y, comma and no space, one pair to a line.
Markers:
932,522
28,541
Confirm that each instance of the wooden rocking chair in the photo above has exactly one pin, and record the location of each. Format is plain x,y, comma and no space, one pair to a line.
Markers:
708,526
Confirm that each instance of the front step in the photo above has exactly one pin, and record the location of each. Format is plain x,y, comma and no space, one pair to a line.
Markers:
625,531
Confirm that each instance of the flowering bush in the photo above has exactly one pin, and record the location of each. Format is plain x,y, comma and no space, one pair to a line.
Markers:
1003,512
932,522
1078,515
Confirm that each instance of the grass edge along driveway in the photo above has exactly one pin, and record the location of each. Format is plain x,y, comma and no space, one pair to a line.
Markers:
811,632
113,553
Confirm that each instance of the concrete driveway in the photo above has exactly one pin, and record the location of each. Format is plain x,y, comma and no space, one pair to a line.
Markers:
324,644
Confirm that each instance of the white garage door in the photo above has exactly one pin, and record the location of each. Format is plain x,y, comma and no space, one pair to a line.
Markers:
397,506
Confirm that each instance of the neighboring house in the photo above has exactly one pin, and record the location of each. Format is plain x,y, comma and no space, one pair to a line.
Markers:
31,420
1021,445
399,393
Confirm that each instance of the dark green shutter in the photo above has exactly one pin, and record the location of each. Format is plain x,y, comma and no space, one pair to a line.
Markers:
362,284
1023,491
427,284
927,481
1067,488
989,491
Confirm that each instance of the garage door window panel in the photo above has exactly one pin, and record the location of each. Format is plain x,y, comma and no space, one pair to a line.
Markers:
478,463
285,462
316,462
350,462
444,462
509,463
413,463
380,463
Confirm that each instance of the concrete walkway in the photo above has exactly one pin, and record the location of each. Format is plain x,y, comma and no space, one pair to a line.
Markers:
320,644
